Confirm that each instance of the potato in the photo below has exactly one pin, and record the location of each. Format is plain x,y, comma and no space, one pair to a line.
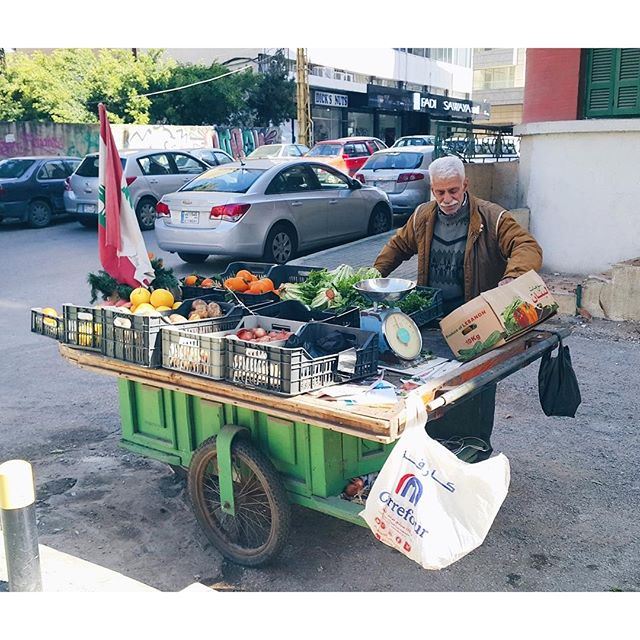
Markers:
194,315
176,318
214,310
198,303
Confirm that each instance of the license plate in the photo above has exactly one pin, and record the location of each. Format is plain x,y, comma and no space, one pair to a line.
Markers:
88,208
386,185
189,217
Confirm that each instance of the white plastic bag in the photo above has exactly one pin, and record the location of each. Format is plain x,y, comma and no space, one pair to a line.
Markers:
427,503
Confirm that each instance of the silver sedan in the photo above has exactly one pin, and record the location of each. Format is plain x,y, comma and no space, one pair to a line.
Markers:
269,210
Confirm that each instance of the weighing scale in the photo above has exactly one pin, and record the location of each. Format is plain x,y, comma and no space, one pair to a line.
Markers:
399,336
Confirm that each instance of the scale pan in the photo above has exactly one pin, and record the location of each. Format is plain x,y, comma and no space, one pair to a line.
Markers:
384,289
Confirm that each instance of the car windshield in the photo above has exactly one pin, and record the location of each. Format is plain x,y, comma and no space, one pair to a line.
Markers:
266,151
89,167
325,150
415,142
407,160
225,178
14,167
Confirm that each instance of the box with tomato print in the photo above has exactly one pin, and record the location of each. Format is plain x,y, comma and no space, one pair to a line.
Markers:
497,316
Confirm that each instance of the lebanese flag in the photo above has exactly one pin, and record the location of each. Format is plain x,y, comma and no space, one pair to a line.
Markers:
122,250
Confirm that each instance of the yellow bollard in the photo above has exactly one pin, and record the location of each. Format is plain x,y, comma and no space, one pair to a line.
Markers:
19,528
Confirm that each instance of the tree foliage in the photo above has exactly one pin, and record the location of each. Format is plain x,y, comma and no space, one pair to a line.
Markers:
66,85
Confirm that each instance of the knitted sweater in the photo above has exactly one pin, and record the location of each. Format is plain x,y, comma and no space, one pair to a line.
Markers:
446,260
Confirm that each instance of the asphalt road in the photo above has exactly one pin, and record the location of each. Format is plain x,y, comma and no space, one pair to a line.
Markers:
569,522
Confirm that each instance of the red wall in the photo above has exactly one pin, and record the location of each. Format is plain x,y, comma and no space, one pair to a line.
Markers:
551,85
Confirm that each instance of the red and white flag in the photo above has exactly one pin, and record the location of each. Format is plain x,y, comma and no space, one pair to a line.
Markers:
122,250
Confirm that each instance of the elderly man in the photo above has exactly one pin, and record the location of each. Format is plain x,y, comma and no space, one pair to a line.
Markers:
465,245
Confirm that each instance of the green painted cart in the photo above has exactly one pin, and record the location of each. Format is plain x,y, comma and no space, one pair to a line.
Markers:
249,454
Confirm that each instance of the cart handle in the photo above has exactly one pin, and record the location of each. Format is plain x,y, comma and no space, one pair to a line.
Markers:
539,346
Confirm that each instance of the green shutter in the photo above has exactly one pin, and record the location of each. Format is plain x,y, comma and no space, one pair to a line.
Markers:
612,87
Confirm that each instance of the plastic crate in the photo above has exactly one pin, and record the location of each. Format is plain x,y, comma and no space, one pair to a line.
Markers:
200,351
433,311
292,371
219,294
295,310
83,326
278,273
137,339
46,325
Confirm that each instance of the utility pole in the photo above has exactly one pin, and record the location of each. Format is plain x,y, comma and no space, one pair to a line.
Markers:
302,95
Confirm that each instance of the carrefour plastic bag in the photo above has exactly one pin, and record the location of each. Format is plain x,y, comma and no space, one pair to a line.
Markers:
428,504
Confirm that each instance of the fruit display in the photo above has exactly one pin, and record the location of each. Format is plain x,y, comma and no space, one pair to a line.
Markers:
258,334
246,282
195,280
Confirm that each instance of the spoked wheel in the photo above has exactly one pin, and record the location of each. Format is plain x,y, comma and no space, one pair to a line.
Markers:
258,530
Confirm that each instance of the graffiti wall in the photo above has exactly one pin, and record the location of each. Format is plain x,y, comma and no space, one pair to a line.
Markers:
48,138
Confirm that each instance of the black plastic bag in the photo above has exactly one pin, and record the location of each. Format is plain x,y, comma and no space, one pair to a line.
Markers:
557,384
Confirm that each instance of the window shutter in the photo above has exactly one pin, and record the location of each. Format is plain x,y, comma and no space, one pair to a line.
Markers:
612,83
600,76
628,86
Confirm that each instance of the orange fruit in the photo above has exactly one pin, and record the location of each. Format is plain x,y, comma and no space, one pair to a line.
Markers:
236,284
207,282
191,280
161,298
267,284
258,287
247,276
139,296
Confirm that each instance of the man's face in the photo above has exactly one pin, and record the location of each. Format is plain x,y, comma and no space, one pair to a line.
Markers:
449,193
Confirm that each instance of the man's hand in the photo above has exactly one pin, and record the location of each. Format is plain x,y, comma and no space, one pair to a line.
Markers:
505,281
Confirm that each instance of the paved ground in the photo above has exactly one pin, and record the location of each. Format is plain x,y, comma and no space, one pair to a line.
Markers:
569,522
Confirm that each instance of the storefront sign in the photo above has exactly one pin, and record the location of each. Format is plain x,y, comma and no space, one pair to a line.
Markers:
400,100
331,99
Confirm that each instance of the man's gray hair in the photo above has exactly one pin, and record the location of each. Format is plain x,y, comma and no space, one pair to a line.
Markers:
446,168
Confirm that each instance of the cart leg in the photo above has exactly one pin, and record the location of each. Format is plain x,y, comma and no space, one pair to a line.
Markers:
223,444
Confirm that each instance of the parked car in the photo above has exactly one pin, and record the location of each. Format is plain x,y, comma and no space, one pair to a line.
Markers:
402,173
210,156
278,151
31,188
415,141
346,154
150,173
268,209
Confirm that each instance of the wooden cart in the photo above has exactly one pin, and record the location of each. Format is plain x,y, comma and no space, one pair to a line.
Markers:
250,454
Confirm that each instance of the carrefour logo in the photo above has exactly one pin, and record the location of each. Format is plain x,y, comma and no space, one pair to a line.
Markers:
410,487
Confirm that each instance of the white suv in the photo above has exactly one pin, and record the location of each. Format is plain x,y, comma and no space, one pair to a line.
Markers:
150,173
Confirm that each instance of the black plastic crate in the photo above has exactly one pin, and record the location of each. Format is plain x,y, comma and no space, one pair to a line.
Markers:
220,294
278,274
292,371
295,310
46,325
137,339
433,311
83,326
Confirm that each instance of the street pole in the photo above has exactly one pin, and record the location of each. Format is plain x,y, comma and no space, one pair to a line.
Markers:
19,528
302,96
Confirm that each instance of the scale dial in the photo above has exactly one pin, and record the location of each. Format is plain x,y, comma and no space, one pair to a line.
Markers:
402,335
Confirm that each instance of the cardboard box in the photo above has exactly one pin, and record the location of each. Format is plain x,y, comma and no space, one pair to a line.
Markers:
497,316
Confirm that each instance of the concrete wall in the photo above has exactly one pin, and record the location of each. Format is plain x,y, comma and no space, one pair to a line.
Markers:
49,138
494,181
580,181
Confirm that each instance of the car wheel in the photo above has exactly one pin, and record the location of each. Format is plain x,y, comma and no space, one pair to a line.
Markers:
281,244
193,258
380,220
39,214
146,212
89,223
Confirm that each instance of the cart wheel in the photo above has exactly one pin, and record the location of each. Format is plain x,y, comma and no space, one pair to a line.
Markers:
259,530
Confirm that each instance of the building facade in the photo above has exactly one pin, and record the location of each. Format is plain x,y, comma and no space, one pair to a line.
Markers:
498,78
579,154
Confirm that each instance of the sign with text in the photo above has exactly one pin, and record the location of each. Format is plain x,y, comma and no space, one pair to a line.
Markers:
324,99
